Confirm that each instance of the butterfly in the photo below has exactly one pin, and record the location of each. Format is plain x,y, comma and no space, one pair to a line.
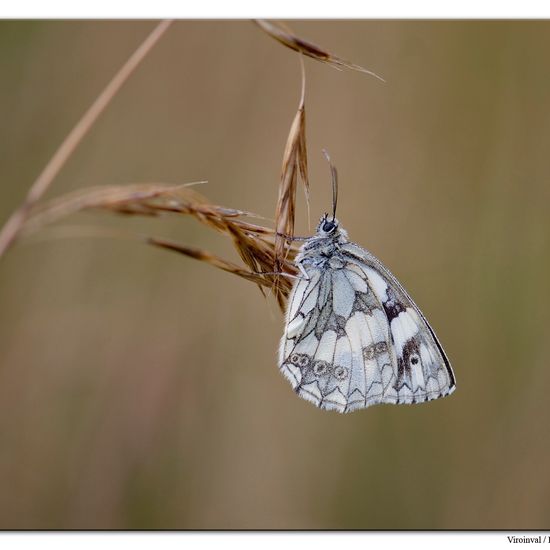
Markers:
353,336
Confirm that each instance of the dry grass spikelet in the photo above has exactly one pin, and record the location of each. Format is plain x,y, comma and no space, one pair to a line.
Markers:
267,253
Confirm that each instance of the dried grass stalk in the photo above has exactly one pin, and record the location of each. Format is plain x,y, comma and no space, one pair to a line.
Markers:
15,222
294,168
145,199
254,243
283,35
267,253
216,261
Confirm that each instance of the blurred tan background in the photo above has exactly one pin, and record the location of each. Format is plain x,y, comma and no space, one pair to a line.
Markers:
139,389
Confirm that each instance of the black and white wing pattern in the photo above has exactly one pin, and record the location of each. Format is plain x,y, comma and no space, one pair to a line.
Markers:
353,336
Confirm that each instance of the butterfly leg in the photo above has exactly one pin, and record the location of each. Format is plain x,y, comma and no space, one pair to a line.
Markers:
291,239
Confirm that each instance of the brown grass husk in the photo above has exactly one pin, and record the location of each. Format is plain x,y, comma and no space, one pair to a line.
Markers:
267,253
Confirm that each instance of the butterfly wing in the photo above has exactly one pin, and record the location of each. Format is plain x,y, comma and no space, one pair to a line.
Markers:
354,338
316,350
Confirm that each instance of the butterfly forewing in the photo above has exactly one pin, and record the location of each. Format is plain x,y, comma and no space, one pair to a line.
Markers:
353,336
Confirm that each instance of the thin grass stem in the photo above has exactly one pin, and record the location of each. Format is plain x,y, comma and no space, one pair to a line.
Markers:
11,228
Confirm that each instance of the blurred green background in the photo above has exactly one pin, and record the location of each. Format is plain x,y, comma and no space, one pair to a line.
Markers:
140,389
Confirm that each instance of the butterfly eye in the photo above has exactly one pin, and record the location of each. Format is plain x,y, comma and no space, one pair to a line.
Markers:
328,226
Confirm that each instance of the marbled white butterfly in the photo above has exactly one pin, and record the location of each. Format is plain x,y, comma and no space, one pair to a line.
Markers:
353,336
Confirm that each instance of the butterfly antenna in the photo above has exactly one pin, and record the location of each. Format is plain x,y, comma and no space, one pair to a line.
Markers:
334,178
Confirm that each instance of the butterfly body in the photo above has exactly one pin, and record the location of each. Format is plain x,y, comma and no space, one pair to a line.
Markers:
353,336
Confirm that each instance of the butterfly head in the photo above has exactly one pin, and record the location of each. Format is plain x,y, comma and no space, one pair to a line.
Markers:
329,227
